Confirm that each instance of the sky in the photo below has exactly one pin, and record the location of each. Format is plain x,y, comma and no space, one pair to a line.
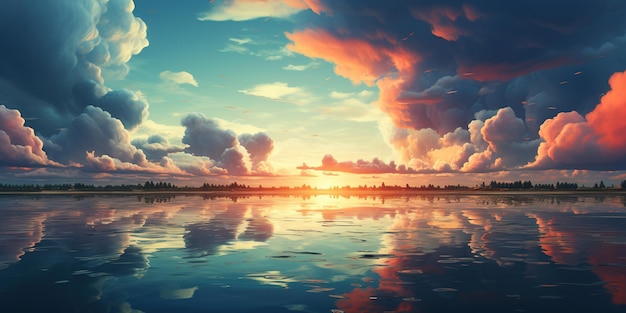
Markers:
317,92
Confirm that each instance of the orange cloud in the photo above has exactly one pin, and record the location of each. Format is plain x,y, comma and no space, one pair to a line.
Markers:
573,140
356,59
442,19
314,5
607,119
18,143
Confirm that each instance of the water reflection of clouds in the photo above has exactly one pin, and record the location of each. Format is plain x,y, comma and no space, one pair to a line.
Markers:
411,251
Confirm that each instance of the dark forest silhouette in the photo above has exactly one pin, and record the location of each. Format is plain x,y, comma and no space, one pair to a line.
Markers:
167,186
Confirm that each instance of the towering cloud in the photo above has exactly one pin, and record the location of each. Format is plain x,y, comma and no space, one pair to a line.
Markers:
57,111
259,146
54,54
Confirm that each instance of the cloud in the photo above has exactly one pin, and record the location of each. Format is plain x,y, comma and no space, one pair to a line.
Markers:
275,91
235,161
205,137
95,130
376,166
259,146
105,163
356,59
440,65
195,165
594,141
299,68
131,108
18,144
179,78
57,72
242,10
156,147
241,41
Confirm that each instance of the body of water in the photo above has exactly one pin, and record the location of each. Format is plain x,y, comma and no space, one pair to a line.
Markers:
189,253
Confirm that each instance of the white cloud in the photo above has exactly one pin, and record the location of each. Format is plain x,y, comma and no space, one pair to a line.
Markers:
241,41
299,68
275,91
179,78
267,54
341,95
243,10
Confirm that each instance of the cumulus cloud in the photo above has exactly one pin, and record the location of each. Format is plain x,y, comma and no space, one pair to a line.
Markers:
94,130
18,144
595,141
56,80
179,78
494,141
205,137
195,165
155,147
235,161
57,72
259,146
131,108
376,166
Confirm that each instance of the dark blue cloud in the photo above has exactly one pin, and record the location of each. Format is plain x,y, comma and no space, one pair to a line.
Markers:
205,137
501,53
156,147
130,108
53,52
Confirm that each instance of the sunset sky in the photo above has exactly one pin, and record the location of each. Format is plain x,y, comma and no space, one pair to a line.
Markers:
319,92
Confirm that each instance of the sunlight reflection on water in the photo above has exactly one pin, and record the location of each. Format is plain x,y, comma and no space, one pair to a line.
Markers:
437,253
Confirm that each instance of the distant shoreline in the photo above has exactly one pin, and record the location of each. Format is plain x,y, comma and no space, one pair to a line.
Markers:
320,192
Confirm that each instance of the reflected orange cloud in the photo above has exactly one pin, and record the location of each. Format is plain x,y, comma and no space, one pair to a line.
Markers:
603,258
558,244
570,247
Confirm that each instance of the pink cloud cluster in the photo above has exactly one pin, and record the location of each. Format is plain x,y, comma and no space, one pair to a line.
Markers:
376,166
18,143
595,141
494,141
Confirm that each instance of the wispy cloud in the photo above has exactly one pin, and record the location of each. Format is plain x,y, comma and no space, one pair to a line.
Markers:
278,91
300,68
242,46
241,41
243,10
179,78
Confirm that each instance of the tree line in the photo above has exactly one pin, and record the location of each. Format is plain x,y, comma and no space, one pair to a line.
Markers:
559,185
164,186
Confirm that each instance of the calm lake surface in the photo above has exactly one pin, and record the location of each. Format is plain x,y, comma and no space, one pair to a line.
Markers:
441,253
